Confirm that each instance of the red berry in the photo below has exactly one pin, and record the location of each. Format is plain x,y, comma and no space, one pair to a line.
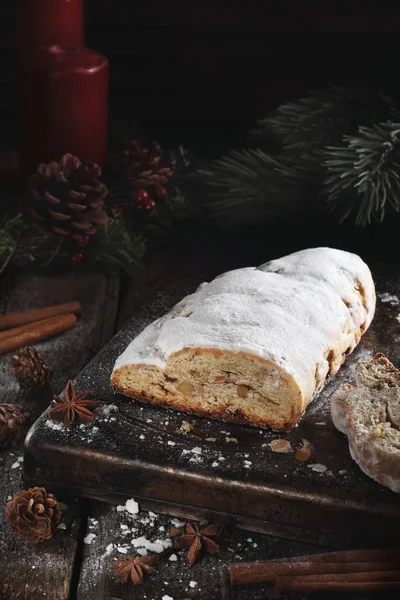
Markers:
76,258
82,240
141,197
150,205
160,192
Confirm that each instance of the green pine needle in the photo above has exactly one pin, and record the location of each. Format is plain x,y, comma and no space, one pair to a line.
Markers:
248,186
364,174
11,230
115,245
323,117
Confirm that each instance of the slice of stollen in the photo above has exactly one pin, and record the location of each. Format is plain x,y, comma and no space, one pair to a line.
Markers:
369,414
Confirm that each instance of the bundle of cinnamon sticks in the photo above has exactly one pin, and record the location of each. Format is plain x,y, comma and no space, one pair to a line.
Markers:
33,326
344,571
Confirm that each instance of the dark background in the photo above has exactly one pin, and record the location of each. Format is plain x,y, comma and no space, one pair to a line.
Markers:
206,69
203,72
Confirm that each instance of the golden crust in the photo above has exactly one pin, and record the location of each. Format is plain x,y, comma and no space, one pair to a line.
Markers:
223,398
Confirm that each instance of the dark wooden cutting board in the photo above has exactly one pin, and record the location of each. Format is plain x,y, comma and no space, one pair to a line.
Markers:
220,470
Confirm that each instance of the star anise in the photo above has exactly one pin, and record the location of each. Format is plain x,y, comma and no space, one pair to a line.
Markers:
134,568
197,540
71,407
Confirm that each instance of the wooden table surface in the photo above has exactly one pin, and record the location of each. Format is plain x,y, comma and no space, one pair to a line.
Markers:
67,567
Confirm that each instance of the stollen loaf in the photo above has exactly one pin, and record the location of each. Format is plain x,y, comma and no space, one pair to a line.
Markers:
255,344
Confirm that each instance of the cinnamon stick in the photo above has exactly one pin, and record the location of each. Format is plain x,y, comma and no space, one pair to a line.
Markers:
17,319
315,568
261,571
309,587
336,582
35,332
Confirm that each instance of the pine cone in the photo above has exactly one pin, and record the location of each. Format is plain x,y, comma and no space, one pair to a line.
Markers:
149,166
14,423
67,198
33,514
30,369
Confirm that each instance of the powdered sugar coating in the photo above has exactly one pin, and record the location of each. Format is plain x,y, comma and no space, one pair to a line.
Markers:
291,312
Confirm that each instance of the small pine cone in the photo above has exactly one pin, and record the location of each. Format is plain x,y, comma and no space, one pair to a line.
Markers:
14,423
149,179
30,369
67,198
33,514
147,166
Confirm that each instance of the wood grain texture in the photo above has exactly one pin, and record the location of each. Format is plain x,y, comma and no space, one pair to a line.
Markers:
37,571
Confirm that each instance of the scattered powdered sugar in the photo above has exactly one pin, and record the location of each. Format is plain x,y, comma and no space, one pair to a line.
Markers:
247,464
158,546
88,539
196,450
318,468
193,584
142,551
388,298
122,550
173,558
342,472
398,318
62,526
105,411
132,506
55,425
16,465
166,597
177,523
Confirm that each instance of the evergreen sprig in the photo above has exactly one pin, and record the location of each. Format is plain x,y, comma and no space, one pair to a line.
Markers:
322,117
248,185
10,231
116,245
335,149
364,174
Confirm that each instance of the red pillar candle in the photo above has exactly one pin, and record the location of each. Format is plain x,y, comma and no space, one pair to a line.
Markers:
47,22
64,106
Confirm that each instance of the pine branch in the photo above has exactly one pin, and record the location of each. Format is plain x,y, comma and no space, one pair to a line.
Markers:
11,230
322,117
115,245
364,176
247,186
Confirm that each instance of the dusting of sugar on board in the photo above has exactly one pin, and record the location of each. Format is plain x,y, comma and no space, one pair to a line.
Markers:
388,298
